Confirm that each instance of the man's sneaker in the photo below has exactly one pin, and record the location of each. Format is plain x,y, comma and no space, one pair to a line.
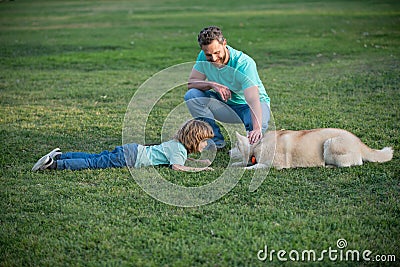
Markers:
214,145
43,163
220,144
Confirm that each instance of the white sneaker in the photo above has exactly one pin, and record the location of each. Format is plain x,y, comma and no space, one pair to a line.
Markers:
54,153
43,163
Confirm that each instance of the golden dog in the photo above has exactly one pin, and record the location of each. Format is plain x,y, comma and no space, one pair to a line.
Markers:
307,148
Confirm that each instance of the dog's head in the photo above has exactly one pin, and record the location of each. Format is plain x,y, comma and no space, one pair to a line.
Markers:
243,150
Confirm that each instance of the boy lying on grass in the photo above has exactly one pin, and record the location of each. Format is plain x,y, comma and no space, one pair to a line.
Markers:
191,137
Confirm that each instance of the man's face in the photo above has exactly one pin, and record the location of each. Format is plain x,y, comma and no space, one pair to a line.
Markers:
216,53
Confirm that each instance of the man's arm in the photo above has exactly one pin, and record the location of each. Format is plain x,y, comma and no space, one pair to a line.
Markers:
252,98
198,80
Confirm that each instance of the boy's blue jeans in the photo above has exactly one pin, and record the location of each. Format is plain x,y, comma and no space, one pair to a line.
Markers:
208,106
121,156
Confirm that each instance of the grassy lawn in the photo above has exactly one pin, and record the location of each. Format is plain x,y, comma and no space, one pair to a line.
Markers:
69,70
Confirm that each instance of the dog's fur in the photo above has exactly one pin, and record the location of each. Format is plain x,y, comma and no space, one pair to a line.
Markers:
307,148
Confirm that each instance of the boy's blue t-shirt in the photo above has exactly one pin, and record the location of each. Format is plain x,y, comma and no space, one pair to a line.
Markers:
239,74
170,152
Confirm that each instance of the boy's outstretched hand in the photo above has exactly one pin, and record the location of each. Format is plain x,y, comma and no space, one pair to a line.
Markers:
177,167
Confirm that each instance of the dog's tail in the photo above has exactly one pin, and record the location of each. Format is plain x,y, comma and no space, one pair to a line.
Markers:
374,155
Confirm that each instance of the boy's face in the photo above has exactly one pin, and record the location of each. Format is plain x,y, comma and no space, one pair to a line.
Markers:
202,145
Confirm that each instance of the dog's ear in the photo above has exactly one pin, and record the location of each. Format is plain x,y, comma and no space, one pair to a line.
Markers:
243,146
238,135
242,139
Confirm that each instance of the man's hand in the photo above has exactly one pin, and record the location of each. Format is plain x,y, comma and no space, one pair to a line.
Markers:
198,80
254,136
222,90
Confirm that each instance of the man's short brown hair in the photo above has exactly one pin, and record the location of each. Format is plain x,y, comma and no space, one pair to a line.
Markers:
209,34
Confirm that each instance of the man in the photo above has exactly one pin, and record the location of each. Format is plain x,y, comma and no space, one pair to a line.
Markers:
224,85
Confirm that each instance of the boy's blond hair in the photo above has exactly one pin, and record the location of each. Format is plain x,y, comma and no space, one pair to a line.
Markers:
192,133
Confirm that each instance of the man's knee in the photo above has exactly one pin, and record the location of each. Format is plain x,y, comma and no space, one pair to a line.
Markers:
194,93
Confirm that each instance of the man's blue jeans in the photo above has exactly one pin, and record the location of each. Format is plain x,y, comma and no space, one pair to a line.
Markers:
121,156
208,106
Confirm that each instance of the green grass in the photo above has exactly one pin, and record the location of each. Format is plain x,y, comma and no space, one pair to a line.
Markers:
69,69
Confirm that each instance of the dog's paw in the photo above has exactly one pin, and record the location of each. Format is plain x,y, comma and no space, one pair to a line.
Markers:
237,164
256,166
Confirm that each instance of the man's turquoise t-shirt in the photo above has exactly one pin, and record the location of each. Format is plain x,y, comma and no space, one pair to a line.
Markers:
170,152
239,74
